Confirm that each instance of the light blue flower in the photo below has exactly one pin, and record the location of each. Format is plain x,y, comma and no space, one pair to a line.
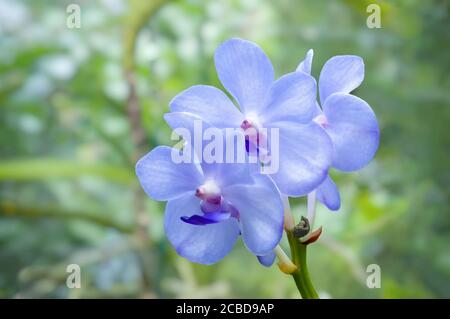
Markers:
210,205
287,104
349,121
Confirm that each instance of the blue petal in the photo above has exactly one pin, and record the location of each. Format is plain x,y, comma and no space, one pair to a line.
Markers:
317,110
305,156
193,131
328,194
353,128
193,124
291,98
162,178
342,73
305,65
201,244
245,71
210,104
234,173
225,173
267,260
260,213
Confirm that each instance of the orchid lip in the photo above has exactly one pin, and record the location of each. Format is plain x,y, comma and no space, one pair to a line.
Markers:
209,218
210,207
212,213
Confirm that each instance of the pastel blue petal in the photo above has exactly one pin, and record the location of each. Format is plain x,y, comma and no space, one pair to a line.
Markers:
260,213
267,260
205,244
193,123
208,103
225,173
193,128
305,65
292,97
353,128
245,71
341,73
328,194
305,156
162,178
317,110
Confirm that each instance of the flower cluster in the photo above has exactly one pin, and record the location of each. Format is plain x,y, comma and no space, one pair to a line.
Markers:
211,204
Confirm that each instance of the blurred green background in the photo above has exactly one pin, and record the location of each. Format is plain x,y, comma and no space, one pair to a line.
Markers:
78,106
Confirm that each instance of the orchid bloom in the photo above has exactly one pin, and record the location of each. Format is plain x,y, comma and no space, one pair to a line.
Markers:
347,119
210,205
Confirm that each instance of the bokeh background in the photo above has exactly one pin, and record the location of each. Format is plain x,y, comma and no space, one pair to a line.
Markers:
78,106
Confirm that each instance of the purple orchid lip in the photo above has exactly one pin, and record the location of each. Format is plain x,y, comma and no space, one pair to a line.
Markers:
208,206
209,218
212,214
213,207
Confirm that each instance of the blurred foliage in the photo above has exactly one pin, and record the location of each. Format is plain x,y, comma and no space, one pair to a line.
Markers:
67,187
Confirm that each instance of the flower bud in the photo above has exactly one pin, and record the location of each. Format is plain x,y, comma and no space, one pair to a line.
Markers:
302,228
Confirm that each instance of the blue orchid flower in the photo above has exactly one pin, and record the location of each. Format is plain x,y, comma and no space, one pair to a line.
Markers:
210,205
287,104
348,120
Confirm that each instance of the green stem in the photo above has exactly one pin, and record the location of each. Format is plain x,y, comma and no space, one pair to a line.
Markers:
10,209
301,275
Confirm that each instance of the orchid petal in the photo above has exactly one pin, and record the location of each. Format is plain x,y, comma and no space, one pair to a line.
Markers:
353,128
267,260
260,213
205,244
340,74
291,97
328,194
306,64
208,103
162,178
245,71
305,156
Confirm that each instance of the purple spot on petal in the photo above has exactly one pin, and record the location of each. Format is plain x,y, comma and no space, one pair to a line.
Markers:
209,218
247,144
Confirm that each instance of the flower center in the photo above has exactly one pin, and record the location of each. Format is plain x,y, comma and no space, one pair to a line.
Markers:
208,191
246,124
250,121
321,120
254,138
214,207
211,197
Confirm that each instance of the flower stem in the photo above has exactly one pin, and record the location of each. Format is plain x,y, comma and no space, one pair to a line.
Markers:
301,275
